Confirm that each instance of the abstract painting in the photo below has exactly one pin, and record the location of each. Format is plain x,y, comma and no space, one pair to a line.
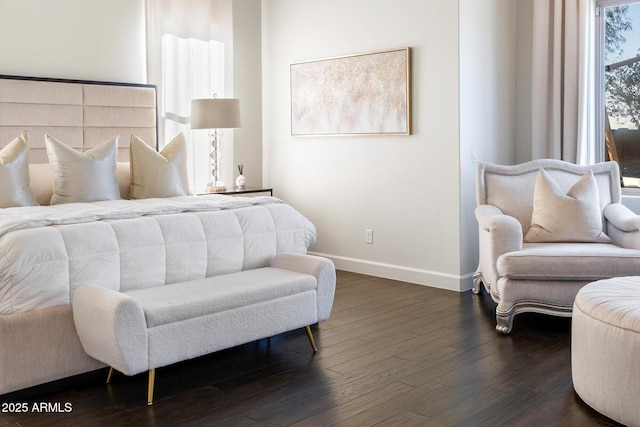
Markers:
361,94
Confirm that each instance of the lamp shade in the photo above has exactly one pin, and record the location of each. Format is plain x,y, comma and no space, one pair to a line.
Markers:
215,113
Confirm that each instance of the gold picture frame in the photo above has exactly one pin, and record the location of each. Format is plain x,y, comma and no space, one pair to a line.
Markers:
361,94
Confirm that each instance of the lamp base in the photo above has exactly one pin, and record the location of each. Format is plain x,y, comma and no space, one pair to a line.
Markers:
216,187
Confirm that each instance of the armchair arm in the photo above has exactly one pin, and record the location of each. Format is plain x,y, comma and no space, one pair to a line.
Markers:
321,268
112,328
622,217
499,234
503,227
484,213
623,226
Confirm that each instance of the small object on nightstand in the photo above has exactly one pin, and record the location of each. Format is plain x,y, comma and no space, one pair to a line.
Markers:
241,181
218,188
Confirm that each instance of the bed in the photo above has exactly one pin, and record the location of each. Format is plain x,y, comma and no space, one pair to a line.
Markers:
48,251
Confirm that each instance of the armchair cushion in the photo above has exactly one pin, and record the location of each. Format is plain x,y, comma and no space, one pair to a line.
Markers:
574,216
569,261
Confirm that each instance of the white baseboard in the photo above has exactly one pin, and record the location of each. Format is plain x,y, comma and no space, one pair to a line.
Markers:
434,279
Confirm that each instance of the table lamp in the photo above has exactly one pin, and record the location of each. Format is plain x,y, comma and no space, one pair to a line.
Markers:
215,113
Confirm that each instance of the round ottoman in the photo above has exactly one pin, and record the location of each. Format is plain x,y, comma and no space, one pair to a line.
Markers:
605,348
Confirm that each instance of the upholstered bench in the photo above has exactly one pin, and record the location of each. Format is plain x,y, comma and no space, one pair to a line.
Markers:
605,348
144,329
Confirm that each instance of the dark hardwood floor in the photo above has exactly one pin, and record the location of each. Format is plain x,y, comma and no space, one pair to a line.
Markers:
392,353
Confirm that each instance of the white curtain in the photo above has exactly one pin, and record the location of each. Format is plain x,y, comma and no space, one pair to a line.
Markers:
186,60
563,86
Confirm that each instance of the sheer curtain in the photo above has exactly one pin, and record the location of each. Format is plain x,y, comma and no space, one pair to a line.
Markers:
186,60
563,86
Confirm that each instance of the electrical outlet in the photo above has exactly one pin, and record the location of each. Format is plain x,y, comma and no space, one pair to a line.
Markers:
368,236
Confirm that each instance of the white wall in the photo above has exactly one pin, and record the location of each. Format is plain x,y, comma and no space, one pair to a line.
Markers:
416,192
487,102
247,63
406,188
73,39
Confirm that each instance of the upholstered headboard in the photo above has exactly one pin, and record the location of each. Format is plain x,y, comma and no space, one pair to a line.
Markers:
81,114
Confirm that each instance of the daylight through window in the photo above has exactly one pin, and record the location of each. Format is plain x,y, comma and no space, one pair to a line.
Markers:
620,61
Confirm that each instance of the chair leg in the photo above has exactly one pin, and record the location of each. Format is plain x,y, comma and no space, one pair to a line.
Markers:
477,284
152,379
109,375
504,323
311,340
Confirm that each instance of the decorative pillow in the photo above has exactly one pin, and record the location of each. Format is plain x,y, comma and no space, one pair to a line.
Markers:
14,174
571,217
161,174
83,177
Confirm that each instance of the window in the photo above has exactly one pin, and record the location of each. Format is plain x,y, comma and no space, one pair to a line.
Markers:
191,69
619,71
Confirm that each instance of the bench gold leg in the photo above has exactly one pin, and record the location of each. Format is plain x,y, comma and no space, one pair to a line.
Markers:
109,375
152,379
311,340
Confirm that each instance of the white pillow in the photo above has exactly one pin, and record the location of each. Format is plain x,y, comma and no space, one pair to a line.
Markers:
161,174
14,174
83,177
571,217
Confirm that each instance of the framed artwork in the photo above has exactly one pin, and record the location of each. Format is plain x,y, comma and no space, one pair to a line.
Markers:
363,94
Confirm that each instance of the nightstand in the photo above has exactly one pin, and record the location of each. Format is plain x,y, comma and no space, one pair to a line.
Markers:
245,192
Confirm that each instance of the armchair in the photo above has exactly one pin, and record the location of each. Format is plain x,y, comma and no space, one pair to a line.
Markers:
545,276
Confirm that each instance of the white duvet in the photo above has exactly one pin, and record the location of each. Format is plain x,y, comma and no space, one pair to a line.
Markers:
46,252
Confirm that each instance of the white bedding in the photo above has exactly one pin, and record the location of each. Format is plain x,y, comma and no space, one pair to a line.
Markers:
18,218
46,252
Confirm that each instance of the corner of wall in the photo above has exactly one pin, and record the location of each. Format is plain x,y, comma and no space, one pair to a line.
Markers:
247,86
